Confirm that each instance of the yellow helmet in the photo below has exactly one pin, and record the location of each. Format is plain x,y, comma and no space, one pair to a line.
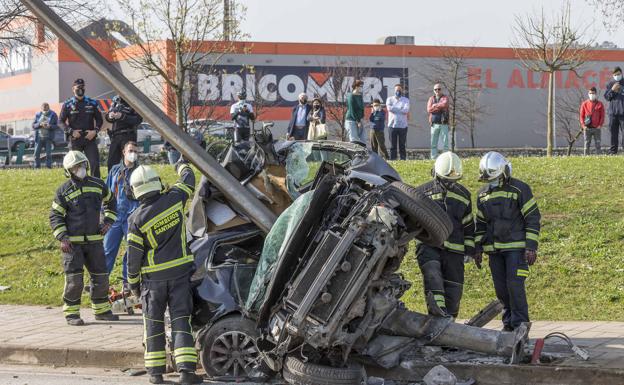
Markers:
72,159
143,180
448,166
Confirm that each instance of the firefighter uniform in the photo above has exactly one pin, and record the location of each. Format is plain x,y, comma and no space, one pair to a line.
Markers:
83,115
443,267
507,224
161,262
124,129
75,216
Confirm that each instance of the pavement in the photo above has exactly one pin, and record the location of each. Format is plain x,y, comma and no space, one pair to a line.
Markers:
36,335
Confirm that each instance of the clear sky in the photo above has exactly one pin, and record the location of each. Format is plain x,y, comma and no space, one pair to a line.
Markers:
452,22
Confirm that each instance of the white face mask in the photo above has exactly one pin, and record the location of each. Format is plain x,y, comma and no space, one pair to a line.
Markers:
377,108
617,78
592,97
81,173
132,157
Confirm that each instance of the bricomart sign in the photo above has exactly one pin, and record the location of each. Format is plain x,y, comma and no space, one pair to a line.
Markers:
282,85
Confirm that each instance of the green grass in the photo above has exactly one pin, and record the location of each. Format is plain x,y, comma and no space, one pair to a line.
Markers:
579,274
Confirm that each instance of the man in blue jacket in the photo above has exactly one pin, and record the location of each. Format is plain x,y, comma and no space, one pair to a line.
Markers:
298,126
118,183
46,121
615,95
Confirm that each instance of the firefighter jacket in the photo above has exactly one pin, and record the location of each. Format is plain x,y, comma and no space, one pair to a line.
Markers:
80,115
76,210
507,218
455,200
157,247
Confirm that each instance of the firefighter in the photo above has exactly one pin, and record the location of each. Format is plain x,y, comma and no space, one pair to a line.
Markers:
125,121
82,120
75,222
443,267
507,229
160,264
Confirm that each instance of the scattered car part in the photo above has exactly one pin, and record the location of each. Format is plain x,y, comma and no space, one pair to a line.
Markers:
298,372
485,315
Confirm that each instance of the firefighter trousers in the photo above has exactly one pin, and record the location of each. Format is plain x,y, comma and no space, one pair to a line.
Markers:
443,277
509,271
155,297
91,256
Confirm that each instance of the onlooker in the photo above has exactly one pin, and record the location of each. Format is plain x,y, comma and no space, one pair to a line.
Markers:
355,114
125,122
591,116
298,125
118,183
82,120
173,155
615,95
398,107
437,107
316,116
242,114
377,135
46,121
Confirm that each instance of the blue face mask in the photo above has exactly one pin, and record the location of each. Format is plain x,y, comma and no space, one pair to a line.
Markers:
397,93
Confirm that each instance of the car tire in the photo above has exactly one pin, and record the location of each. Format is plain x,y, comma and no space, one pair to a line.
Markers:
431,224
229,348
297,372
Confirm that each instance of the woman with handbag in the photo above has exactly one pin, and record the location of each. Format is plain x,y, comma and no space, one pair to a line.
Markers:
317,129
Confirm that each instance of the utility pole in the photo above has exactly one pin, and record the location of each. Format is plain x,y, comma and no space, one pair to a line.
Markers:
228,19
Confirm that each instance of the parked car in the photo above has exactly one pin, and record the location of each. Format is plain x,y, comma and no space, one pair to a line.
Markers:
13,141
144,130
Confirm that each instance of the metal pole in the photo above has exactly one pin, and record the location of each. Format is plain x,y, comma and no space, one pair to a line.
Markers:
215,173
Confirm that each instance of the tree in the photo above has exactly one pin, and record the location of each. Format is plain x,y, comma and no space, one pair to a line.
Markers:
471,112
567,115
612,12
550,45
451,70
174,40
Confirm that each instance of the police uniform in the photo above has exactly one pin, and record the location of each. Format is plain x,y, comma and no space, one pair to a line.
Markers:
123,130
160,260
83,115
443,267
508,223
75,216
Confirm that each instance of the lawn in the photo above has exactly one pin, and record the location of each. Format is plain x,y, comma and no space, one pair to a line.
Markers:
579,274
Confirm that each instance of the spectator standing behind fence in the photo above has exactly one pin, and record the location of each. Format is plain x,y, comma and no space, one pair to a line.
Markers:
355,114
398,107
242,114
82,120
298,125
377,136
615,96
437,107
591,116
45,123
125,122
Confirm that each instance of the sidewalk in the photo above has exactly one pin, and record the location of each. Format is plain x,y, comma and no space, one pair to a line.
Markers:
39,336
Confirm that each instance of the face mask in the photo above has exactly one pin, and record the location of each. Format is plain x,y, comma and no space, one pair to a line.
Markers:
302,101
592,97
617,78
79,92
132,157
317,107
397,93
81,173
377,108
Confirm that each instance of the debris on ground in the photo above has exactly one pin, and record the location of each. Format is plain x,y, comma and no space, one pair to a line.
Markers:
4,288
439,375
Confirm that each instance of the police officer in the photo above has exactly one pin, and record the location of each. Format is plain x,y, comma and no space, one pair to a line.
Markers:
75,222
242,114
507,229
443,267
125,121
83,120
160,263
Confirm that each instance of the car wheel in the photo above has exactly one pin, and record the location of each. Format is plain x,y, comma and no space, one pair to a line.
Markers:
297,372
229,347
424,217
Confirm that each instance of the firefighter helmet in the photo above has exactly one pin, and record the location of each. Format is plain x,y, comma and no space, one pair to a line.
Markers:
144,180
448,166
72,159
494,166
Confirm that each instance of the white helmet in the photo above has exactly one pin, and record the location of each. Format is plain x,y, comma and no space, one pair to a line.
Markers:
143,180
493,166
72,159
448,166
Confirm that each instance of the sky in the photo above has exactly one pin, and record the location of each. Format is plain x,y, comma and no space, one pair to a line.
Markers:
486,23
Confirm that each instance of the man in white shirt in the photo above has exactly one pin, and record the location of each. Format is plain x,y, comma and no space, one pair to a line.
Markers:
398,107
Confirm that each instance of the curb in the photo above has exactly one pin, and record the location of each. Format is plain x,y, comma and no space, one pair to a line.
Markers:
15,354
